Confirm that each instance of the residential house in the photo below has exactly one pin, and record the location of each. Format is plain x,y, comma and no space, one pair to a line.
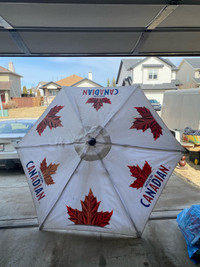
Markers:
10,83
154,74
39,87
77,81
189,73
51,89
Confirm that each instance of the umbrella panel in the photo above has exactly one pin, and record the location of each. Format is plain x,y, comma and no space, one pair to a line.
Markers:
139,176
48,170
59,124
74,212
137,124
96,106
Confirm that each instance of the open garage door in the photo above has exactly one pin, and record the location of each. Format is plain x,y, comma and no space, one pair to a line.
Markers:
99,28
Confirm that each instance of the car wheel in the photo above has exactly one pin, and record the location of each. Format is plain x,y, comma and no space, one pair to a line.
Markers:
9,165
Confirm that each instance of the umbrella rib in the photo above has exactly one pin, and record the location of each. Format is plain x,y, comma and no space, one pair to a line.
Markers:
149,148
78,115
42,224
123,205
56,144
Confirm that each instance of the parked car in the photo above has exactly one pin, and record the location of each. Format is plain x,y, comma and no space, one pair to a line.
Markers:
11,131
156,105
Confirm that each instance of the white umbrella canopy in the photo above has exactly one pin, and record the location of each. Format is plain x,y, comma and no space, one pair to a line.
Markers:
97,160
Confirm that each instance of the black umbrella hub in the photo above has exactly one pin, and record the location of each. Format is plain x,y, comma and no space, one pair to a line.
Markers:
92,142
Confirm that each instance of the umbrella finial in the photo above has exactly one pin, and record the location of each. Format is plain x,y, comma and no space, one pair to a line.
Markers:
92,142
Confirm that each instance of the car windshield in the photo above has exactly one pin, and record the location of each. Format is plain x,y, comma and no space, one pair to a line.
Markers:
15,127
154,101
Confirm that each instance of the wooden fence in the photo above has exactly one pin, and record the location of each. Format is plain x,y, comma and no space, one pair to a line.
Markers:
27,101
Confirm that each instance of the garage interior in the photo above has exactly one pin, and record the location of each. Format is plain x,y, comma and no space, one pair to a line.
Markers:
99,28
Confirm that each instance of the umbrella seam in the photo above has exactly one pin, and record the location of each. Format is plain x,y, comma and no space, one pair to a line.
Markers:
93,231
149,148
78,143
113,144
78,115
123,205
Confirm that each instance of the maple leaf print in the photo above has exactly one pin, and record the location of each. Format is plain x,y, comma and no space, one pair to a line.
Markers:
48,171
98,102
147,121
140,174
51,120
89,214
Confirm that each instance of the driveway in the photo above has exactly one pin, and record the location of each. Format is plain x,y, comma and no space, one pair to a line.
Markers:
22,244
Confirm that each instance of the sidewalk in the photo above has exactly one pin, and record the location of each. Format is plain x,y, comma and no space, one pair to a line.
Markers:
22,244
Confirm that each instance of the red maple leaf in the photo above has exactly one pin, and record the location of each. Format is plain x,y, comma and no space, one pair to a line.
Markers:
89,214
51,120
48,171
147,121
140,174
98,102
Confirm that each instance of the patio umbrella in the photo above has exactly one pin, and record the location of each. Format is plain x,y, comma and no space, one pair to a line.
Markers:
97,160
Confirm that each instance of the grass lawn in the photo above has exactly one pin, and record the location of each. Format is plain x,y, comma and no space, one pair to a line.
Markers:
32,112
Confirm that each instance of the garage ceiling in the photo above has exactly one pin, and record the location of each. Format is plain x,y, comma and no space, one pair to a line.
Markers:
100,28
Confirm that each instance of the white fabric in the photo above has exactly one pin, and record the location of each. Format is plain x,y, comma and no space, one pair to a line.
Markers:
59,154
91,175
102,168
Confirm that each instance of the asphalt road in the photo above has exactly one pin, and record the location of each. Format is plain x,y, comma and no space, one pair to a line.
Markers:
22,244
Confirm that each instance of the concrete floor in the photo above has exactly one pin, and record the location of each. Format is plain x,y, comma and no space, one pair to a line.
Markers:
22,244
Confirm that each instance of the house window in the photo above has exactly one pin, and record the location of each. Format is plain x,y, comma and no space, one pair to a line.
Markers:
153,74
53,92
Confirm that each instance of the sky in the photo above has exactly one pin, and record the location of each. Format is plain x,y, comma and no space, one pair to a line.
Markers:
49,69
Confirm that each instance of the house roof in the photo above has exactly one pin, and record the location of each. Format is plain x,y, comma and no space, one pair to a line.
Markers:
166,60
138,61
86,79
41,84
153,65
5,85
4,70
194,62
128,64
70,80
132,63
46,85
163,86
